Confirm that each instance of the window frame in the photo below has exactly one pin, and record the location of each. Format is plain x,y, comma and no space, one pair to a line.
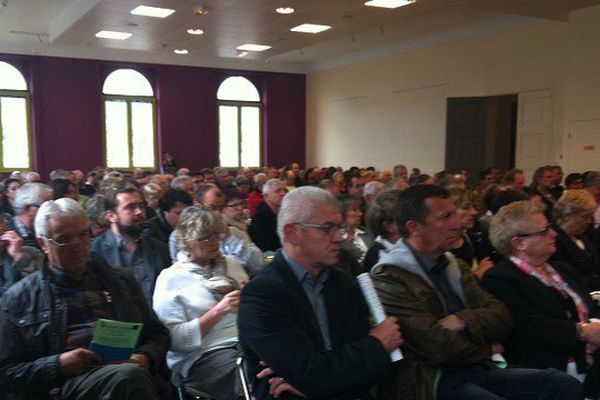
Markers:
26,95
239,104
129,100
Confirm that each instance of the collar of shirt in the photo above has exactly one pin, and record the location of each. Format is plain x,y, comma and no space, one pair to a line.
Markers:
302,274
385,243
427,263
59,276
120,242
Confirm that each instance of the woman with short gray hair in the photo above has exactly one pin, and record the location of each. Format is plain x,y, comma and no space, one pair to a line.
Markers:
551,309
197,299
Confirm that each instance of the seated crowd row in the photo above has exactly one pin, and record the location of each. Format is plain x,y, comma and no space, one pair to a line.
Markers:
261,265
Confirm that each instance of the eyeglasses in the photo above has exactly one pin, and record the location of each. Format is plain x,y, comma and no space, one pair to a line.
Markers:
235,205
69,240
542,232
329,228
209,238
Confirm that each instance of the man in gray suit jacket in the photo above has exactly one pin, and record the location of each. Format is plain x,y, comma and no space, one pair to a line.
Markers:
123,245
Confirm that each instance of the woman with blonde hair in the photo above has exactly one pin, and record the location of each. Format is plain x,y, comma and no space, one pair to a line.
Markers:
197,300
553,325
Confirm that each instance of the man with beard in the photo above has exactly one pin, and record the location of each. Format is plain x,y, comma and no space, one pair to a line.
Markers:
123,245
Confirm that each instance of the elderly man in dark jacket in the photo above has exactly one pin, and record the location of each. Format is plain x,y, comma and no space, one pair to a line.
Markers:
47,320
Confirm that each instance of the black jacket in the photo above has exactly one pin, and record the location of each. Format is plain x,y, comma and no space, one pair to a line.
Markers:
33,328
544,333
277,325
158,228
263,229
586,262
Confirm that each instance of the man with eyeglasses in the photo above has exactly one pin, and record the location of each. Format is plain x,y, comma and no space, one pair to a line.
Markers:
47,320
303,325
124,246
452,326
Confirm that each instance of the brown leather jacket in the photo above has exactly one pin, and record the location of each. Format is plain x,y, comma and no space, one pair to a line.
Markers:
408,294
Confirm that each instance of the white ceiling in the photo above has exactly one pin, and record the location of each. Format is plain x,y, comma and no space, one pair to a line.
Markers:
66,28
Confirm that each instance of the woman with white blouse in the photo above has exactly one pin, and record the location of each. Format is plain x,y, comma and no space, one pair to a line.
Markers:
197,300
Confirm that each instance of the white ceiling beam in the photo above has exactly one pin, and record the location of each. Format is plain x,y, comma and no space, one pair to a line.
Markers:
69,17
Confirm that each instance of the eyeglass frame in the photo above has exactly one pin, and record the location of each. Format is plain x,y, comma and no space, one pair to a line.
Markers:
208,238
82,237
541,233
326,227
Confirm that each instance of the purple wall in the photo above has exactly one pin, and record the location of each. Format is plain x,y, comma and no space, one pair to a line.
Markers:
67,111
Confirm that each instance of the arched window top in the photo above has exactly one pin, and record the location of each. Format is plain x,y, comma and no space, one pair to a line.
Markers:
237,88
11,78
127,82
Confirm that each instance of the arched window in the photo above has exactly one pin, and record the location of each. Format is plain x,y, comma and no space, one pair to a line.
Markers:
130,131
239,123
15,148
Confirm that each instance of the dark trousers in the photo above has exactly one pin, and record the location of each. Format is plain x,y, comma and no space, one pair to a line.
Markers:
479,382
114,381
215,373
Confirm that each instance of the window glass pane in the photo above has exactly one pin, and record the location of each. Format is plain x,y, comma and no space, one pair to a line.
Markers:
127,82
15,142
250,137
142,124
228,136
117,142
11,78
237,88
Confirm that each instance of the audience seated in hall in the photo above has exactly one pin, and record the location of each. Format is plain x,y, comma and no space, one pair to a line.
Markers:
134,246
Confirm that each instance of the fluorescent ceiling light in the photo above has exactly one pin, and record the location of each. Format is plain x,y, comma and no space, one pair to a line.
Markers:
253,47
388,3
182,51
242,53
113,35
310,28
284,10
156,12
195,31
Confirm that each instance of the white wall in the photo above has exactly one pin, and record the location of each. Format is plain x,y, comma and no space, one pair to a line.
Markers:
393,110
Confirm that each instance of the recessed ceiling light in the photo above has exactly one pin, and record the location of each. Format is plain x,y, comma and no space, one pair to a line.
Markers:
253,47
200,10
195,31
182,51
284,10
242,53
113,35
155,12
389,3
310,28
